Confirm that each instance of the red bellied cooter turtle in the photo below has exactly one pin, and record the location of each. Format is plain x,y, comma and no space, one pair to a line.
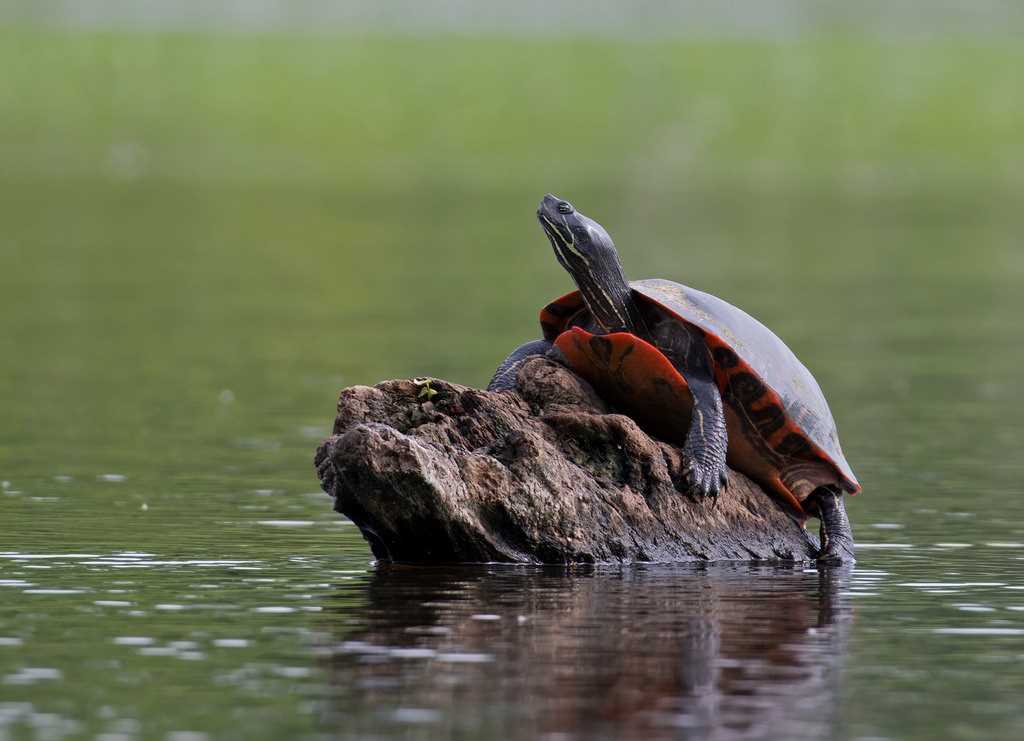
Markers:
693,369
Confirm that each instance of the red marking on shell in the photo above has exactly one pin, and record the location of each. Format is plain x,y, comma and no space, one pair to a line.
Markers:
555,316
634,375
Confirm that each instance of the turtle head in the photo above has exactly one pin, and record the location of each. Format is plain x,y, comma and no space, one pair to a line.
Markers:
580,243
585,249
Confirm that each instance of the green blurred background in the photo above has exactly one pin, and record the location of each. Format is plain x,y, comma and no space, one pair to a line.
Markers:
276,215
212,219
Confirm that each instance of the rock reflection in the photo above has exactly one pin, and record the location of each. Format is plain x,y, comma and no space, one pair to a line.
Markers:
719,652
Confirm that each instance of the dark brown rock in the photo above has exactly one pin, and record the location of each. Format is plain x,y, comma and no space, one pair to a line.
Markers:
447,473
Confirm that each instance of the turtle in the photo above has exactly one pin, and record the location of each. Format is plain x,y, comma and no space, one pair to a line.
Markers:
694,370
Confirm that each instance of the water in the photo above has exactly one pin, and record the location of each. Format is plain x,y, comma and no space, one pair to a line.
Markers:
205,237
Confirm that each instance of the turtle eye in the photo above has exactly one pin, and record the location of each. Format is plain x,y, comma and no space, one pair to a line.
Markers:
564,207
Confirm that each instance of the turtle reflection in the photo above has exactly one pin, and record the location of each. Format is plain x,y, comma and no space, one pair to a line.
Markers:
643,652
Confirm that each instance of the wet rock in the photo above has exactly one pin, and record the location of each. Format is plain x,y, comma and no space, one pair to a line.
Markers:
437,472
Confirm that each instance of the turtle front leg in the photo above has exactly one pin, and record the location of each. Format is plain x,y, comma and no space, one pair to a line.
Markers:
707,440
505,376
826,503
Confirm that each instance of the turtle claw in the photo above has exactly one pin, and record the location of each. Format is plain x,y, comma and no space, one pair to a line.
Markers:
556,355
702,481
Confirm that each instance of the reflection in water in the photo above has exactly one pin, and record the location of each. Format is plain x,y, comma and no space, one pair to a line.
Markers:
648,652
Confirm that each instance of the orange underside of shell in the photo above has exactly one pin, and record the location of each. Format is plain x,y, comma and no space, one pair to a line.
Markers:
633,375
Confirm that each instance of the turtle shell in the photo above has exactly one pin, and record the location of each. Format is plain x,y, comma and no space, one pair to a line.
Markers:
753,368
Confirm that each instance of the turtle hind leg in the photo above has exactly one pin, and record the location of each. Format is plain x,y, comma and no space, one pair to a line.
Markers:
505,376
826,503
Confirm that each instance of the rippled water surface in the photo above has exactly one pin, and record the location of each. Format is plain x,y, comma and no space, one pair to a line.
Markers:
206,237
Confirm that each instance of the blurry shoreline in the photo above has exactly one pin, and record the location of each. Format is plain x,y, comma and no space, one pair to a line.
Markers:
768,19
